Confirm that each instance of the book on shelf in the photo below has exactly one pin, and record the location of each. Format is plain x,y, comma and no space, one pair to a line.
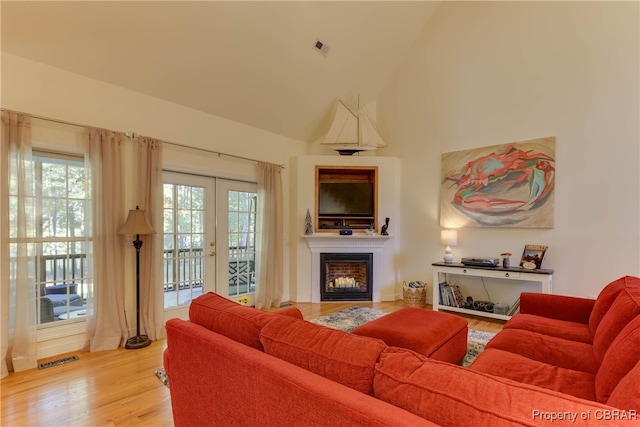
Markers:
459,299
450,295
445,295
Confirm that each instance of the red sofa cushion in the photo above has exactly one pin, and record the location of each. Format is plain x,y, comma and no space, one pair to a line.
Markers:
623,354
519,368
233,320
345,358
462,397
606,298
548,349
626,395
559,307
625,307
558,328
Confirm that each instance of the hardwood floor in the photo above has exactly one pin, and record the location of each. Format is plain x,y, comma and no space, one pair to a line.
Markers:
118,387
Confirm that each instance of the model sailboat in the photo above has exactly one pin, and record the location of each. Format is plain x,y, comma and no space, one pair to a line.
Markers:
352,131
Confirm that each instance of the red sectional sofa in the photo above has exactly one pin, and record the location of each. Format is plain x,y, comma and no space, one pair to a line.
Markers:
234,365
586,348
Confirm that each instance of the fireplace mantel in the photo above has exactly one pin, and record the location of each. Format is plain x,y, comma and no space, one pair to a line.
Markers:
355,243
333,240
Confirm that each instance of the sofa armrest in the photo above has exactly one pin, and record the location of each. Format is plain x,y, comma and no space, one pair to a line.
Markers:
290,311
560,307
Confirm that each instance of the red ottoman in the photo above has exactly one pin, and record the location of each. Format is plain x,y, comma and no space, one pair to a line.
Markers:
441,336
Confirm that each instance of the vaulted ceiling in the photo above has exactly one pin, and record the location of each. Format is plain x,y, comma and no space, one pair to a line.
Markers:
251,62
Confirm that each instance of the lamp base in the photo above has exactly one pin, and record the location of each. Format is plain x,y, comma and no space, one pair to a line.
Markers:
137,342
448,255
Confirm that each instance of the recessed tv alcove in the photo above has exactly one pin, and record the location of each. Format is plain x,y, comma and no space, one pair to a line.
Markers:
346,198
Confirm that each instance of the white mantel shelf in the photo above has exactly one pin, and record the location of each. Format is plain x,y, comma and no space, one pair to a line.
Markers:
333,240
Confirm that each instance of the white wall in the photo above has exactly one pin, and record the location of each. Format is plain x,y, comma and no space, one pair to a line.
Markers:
486,73
46,91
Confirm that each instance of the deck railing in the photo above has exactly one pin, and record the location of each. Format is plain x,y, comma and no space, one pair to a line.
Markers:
181,268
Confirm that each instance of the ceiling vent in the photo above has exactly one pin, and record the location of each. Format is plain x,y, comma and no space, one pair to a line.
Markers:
321,47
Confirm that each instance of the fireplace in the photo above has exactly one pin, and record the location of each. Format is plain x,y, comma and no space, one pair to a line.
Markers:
346,276
356,244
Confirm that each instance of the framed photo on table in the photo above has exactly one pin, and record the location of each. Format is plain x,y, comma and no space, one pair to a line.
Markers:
532,256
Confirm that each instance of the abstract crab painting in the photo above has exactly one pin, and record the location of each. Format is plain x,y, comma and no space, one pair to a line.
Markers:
509,185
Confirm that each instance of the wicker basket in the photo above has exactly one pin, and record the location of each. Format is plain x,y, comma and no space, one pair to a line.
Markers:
414,296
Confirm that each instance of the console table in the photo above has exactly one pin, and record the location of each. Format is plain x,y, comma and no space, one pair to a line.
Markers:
518,274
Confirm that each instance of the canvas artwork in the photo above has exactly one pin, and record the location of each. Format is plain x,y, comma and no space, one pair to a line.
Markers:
509,185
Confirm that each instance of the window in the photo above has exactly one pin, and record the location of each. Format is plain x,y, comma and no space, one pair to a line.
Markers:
61,198
242,242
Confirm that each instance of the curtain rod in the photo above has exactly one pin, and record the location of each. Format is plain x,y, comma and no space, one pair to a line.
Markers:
218,153
135,135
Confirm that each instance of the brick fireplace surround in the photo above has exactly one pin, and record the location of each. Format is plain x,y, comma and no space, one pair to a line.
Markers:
346,276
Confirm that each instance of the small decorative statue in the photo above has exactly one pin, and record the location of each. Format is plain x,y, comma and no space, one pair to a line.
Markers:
385,227
308,224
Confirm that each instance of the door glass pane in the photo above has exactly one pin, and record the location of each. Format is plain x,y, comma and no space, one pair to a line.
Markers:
242,250
183,244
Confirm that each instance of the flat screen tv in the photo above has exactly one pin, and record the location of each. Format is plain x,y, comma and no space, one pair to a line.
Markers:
345,199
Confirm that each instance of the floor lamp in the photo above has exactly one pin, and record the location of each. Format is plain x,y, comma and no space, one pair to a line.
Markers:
137,223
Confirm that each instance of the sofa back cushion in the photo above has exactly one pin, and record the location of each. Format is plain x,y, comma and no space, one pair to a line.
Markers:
606,298
344,358
233,320
626,395
623,354
625,307
451,395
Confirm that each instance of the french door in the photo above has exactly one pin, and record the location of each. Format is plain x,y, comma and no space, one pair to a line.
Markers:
237,232
209,240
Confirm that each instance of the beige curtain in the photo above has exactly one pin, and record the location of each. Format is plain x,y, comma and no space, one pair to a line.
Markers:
270,252
18,245
106,321
149,195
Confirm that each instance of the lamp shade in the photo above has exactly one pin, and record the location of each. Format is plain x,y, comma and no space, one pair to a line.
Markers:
449,237
137,223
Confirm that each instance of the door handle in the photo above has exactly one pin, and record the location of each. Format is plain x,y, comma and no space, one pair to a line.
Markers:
212,253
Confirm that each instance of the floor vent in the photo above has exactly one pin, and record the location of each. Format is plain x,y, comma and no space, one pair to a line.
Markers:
57,362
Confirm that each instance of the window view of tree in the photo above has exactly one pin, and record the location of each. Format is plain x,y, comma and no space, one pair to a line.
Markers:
242,238
62,194
189,243
183,243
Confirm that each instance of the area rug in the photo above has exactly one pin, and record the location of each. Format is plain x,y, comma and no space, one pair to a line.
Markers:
476,341
349,319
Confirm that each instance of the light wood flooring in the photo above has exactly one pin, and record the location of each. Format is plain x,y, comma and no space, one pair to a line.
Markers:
118,387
